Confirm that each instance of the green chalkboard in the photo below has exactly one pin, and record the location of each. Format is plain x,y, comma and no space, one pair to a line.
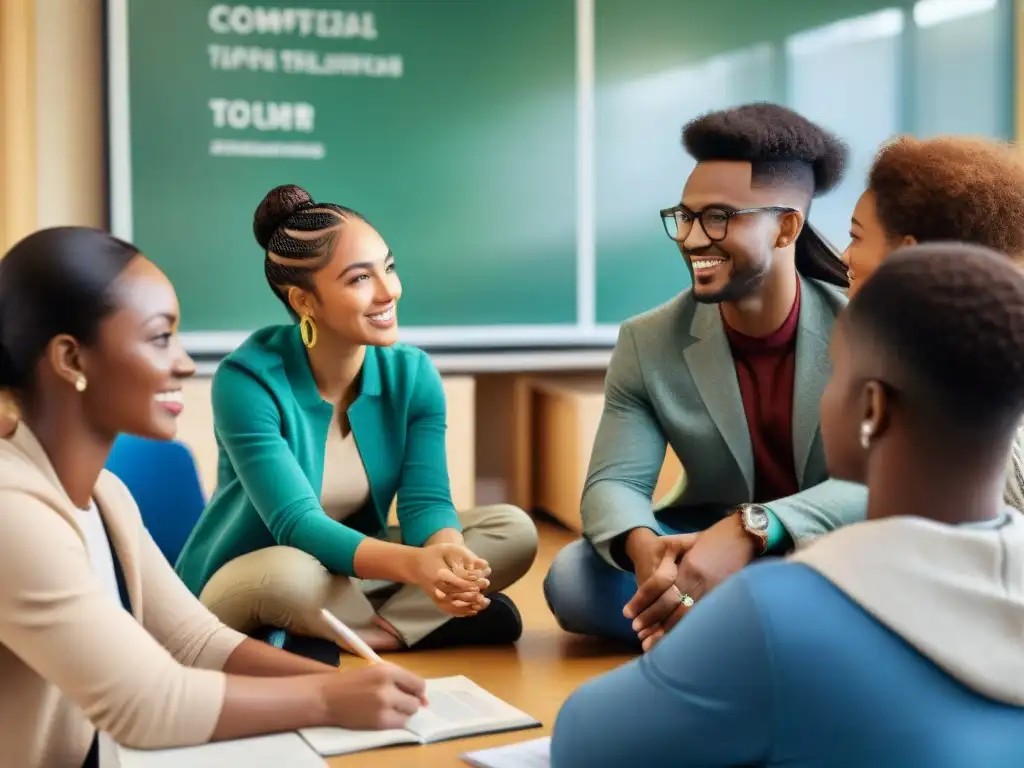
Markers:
514,153
451,124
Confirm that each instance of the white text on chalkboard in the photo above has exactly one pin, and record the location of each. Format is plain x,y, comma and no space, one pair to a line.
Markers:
304,22
345,64
231,58
242,115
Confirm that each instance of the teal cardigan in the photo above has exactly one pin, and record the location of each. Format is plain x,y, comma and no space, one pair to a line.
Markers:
271,426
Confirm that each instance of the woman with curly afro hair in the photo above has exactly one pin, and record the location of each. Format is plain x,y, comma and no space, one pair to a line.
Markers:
950,188
946,188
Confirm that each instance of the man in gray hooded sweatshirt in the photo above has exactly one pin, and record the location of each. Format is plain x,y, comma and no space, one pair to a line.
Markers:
898,641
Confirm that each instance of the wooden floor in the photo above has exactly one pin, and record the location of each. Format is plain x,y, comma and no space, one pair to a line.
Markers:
536,675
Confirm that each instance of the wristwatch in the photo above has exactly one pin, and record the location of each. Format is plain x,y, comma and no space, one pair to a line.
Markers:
754,519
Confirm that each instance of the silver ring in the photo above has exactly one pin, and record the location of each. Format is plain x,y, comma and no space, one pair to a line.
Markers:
684,598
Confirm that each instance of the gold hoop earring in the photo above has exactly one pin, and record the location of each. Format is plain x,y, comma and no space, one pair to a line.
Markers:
81,383
307,330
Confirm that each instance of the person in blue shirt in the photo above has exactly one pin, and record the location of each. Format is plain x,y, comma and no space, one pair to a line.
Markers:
891,642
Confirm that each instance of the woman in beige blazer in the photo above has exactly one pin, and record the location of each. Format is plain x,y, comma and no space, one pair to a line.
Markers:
99,640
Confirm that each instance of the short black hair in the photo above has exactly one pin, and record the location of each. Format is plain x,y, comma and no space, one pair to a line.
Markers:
783,147
946,322
297,236
55,281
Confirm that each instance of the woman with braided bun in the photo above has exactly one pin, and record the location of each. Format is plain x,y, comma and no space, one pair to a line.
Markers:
958,188
320,423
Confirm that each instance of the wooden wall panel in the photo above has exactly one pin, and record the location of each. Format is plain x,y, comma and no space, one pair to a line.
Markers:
17,121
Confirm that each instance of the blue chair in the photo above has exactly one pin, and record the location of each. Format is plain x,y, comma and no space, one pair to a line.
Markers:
163,478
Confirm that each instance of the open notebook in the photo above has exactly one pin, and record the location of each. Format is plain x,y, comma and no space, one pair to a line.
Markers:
457,707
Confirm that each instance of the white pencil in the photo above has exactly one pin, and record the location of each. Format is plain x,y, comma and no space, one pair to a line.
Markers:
354,641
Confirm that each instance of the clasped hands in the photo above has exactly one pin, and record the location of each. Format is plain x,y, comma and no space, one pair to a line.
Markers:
453,577
671,567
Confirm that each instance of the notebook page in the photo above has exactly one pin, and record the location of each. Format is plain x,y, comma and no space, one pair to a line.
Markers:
340,741
460,707
526,754
275,751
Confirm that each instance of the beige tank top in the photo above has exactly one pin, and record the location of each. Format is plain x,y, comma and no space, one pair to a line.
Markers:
345,487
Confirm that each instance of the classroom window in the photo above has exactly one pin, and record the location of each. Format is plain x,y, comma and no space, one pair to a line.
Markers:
960,61
847,77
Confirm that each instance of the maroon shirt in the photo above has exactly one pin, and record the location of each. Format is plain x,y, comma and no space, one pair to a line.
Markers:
765,369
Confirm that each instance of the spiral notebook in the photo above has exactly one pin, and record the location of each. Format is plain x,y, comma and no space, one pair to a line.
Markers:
457,707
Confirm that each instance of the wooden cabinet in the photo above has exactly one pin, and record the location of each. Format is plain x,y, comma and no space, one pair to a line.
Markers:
556,420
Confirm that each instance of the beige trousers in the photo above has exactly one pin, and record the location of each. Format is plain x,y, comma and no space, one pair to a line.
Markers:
286,588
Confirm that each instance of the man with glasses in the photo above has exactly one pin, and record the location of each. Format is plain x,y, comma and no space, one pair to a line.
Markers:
729,375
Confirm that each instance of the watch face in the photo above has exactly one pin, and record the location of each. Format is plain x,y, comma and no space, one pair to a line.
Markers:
755,517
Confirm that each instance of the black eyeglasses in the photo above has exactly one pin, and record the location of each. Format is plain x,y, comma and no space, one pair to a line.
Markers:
678,220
